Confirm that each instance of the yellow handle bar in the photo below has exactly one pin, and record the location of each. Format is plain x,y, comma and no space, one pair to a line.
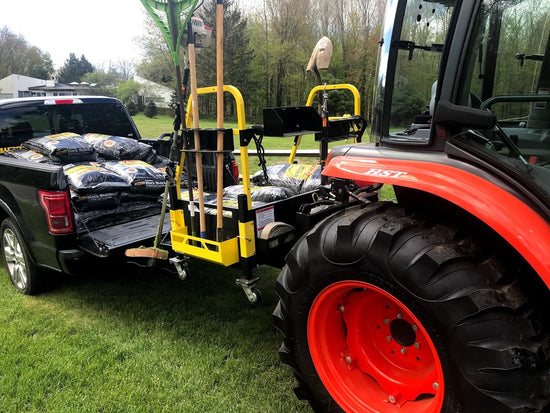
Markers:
321,88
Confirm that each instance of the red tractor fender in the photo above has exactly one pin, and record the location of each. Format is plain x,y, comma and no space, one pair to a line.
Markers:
493,205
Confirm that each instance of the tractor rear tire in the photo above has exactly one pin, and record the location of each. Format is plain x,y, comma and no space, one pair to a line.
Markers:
383,312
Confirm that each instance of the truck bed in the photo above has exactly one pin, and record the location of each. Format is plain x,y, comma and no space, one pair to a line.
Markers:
102,242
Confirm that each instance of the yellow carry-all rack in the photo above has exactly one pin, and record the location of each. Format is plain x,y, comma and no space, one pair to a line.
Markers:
256,230
240,244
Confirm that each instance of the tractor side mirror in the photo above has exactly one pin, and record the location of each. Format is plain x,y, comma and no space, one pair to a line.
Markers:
449,114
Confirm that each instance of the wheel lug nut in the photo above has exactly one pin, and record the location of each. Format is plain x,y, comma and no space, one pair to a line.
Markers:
399,315
392,399
388,338
415,327
403,350
348,360
436,385
417,345
386,321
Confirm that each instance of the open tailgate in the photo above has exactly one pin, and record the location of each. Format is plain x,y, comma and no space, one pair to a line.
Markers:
103,242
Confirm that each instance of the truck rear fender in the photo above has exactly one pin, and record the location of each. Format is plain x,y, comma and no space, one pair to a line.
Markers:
10,209
488,202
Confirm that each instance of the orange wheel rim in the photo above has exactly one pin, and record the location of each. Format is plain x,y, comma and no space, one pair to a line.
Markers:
372,353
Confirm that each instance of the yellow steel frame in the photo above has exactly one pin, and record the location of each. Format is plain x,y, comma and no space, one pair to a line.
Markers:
226,252
321,88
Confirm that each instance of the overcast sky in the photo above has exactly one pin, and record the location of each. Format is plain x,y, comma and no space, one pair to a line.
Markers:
102,30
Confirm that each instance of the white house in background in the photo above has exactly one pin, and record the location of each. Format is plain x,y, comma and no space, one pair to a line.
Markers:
52,88
161,95
17,86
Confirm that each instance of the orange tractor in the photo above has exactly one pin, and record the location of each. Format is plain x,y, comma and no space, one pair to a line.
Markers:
438,301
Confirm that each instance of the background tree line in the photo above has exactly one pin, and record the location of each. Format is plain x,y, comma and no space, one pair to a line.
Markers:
266,51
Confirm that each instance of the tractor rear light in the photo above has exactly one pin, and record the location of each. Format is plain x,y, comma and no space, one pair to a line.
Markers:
58,211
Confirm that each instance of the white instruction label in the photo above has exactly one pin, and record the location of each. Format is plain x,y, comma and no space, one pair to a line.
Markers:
263,217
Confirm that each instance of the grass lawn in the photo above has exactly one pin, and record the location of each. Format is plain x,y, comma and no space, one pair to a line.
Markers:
123,338
126,339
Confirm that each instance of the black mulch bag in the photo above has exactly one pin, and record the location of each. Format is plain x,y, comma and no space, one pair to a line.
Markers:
92,202
27,155
295,177
161,162
259,193
92,178
113,147
141,176
139,196
62,147
146,153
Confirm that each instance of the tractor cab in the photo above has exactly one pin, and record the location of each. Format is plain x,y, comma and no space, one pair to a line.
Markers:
474,84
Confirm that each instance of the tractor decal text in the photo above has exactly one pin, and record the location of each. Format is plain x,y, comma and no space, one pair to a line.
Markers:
387,173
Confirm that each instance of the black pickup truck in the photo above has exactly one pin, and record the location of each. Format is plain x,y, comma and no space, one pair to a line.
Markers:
41,228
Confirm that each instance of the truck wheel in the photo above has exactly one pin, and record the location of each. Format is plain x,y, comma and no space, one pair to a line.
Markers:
384,312
22,272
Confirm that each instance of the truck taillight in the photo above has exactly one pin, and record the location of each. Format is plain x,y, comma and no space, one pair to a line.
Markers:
58,211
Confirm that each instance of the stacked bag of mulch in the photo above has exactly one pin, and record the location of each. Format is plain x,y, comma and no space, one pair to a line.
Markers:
259,193
62,147
103,172
27,155
58,149
294,177
113,147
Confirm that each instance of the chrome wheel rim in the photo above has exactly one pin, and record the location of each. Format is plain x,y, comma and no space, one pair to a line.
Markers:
15,259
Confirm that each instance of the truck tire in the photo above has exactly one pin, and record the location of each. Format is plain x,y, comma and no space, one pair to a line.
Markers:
384,312
22,272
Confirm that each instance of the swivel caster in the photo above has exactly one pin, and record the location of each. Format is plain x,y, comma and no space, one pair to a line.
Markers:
253,294
182,267
254,297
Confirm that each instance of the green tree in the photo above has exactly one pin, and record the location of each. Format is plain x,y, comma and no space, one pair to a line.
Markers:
38,64
17,56
237,56
102,83
157,65
102,78
128,91
74,69
407,103
150,109
291,42
132,108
